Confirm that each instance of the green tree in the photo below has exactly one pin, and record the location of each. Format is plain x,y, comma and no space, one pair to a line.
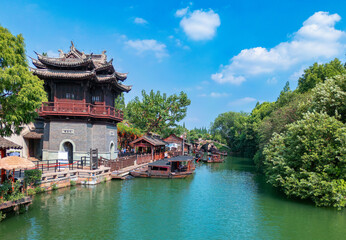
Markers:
330,97
308,160
233,127
318,73
21,93
156,112
119,103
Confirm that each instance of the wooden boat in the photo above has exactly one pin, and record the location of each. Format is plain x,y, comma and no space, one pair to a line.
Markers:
176,167
212,158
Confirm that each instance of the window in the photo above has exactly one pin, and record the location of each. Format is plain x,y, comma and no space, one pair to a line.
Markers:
158,168
69,96
96,99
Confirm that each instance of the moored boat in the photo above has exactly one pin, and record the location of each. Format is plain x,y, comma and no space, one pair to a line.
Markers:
212,158
176,167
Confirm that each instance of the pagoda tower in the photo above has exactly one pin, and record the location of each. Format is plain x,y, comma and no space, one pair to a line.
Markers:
80,113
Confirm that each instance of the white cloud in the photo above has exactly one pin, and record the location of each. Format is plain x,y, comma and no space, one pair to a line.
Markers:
316,39
200,24
218,95
229,78
214,94
242,101
272,81
148,45
53,54
139,20
296,75
181,12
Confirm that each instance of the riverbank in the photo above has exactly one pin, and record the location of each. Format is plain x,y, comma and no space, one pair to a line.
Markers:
220,201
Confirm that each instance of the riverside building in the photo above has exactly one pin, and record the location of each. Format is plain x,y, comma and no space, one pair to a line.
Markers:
80,113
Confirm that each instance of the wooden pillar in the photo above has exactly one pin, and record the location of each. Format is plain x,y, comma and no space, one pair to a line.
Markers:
54,89
3,175
84,92
3,152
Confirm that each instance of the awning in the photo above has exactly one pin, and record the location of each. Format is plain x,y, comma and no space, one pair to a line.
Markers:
14,162
6,144
33,135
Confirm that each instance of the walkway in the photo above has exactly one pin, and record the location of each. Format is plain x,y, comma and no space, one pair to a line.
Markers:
122,173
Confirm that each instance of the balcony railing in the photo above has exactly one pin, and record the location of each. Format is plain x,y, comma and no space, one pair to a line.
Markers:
80,110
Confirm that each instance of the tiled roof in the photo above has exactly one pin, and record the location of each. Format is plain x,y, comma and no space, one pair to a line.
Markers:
64,62
6,144
78,65
64,74
151,140
33,135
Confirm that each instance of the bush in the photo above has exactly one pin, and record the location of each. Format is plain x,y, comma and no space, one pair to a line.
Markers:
54,186
10,192
2,216
31,192
308,161
32,177
39,190
73,183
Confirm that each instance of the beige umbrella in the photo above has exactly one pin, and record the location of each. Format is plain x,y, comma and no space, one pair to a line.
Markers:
14,162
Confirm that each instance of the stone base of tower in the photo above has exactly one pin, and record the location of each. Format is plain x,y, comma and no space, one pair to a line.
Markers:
77,137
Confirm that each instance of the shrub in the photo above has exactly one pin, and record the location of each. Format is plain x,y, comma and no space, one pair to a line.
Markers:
31,192
2,216
32,177
10,192
73,183
39,190
308,161
54,186
5,190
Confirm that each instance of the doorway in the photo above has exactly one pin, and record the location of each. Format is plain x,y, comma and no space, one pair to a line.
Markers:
112,150
68,147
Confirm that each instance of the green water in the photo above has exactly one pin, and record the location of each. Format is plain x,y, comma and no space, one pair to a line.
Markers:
220,201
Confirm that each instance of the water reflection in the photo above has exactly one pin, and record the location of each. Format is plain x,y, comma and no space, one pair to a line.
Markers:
220,201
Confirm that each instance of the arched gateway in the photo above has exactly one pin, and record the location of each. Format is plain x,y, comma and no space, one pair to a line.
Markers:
68,147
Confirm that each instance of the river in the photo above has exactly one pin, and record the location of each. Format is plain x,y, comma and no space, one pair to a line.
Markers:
220,201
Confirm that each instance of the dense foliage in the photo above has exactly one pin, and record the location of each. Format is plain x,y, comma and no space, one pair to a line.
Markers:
156,112
10,191
318,73
127,133
32,177
21,93
308,160
298,140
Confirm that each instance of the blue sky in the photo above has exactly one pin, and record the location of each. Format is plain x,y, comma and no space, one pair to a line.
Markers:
226,55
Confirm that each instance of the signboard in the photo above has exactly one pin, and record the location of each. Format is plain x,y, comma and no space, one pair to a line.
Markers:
62,155
68,131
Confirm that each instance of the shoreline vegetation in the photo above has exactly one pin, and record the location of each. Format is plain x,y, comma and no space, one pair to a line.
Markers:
298,141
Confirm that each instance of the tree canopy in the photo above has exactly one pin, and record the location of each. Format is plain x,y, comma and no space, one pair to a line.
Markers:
156,112
318,73
21,93
308,160
298,141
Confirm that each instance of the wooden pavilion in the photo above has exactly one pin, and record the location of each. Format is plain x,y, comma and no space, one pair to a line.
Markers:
150,144
5,145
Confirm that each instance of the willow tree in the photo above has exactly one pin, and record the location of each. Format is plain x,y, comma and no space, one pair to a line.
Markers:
21,93
156,112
